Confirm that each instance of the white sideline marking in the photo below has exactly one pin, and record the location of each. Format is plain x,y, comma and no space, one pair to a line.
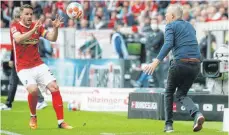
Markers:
127,133
107,134
8,132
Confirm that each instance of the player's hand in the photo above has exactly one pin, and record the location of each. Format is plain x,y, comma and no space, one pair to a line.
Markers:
149,69
57,22
37,25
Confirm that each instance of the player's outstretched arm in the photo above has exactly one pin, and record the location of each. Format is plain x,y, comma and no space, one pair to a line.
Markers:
19,38
52,35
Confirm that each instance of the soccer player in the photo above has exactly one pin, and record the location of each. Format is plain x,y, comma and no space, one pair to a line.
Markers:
13,76
30,68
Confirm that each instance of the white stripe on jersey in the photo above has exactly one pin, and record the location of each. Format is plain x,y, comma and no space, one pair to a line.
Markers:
15,60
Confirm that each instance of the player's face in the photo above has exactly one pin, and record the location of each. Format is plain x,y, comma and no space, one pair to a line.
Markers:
26,16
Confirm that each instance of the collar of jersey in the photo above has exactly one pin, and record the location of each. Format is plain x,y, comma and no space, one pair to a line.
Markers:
24,25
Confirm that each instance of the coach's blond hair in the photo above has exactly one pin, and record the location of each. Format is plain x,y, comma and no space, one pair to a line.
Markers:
176,10
16,13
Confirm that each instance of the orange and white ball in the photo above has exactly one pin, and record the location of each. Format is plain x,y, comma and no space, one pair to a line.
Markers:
74,10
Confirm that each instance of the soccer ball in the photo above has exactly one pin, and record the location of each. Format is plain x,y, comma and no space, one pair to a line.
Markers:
74,10
73,105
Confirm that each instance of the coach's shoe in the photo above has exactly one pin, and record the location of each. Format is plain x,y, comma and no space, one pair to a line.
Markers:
33,122
168,128
5,107
198,122
64,125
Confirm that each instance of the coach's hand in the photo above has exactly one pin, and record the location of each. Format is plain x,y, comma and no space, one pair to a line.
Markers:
57,22
149,69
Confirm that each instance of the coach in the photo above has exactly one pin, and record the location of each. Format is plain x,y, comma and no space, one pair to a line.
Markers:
180,37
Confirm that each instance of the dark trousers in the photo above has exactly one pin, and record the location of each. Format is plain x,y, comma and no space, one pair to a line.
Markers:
14,80
181,76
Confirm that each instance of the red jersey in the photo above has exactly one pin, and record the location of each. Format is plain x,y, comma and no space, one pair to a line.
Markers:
26,54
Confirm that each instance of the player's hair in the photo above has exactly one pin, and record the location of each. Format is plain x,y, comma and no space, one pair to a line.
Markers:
25,6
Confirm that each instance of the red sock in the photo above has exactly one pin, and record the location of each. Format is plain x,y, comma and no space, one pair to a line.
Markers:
32,100
58,104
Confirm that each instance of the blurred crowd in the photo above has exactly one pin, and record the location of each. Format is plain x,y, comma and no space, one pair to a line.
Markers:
117,14
105,14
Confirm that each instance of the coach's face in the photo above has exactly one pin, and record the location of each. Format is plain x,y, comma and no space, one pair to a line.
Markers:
26,16
169,17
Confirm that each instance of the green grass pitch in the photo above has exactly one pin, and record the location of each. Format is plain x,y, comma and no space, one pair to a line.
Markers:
94,123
